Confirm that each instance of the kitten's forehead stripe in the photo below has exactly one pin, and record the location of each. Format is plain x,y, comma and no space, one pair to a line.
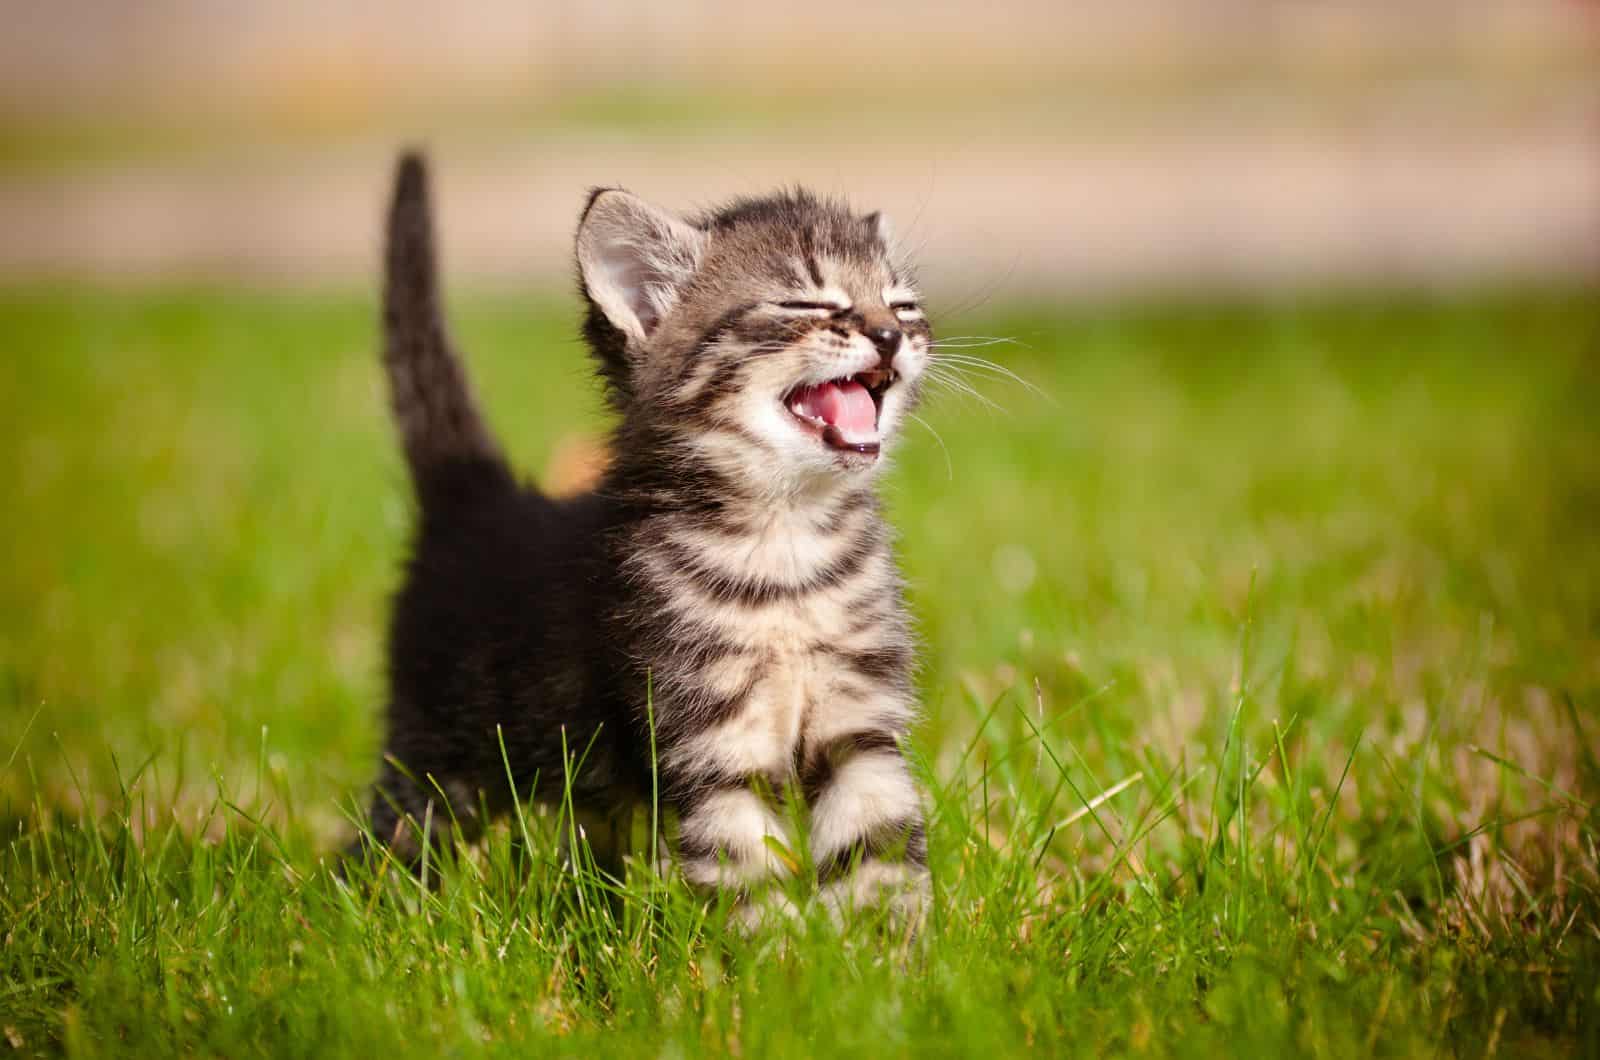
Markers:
816,227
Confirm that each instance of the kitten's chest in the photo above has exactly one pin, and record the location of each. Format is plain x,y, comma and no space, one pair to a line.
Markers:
797,693
791,687
767,626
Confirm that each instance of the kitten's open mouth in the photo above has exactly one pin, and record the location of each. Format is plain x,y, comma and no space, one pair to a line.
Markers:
843,412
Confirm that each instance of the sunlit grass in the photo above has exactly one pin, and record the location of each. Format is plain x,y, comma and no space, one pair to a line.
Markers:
1261,663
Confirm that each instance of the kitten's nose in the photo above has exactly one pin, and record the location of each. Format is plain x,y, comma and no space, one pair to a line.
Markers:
887,340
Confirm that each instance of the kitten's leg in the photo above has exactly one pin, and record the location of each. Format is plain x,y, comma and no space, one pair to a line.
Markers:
721,779
867,835
729,838
726,832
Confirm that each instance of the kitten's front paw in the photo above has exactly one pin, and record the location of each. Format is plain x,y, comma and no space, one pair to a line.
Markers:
902,890
764,909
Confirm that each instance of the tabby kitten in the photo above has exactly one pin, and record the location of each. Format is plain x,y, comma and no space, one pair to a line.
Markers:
727,594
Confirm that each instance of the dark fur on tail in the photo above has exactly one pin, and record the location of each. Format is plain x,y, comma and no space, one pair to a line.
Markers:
447,444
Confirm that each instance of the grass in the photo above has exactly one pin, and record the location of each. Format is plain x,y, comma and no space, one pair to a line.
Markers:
1262,665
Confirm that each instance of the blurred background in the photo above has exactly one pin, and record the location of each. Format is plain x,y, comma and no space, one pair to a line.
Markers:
1027,147
1287,547
1261,625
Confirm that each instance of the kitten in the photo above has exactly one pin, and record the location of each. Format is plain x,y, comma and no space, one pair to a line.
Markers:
727,594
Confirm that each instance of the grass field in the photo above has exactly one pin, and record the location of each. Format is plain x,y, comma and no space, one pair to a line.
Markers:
1262,671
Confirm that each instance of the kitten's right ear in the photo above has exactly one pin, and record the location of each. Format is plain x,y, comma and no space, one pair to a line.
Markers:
635,259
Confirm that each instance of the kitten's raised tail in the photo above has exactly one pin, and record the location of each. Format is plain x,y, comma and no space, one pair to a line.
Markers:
448,447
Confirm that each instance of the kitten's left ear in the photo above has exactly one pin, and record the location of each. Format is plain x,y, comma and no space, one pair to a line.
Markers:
635,259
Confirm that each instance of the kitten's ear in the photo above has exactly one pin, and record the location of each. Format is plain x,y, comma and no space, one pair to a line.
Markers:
635,259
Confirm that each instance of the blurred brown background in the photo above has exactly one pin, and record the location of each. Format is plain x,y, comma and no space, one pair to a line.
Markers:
1027,148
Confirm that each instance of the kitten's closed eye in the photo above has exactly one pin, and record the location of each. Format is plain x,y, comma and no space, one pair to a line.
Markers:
832,308
906,310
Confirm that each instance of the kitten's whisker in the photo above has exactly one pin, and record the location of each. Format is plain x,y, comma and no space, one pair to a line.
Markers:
949,468
956,383
968,338
953,382
964,341
960,363
968,373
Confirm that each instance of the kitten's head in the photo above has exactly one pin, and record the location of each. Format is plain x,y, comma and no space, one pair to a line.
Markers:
778,337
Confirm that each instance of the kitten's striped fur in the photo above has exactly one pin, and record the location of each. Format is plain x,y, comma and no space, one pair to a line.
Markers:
732,569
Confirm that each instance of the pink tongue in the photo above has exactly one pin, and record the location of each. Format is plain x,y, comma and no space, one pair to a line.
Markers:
845,405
